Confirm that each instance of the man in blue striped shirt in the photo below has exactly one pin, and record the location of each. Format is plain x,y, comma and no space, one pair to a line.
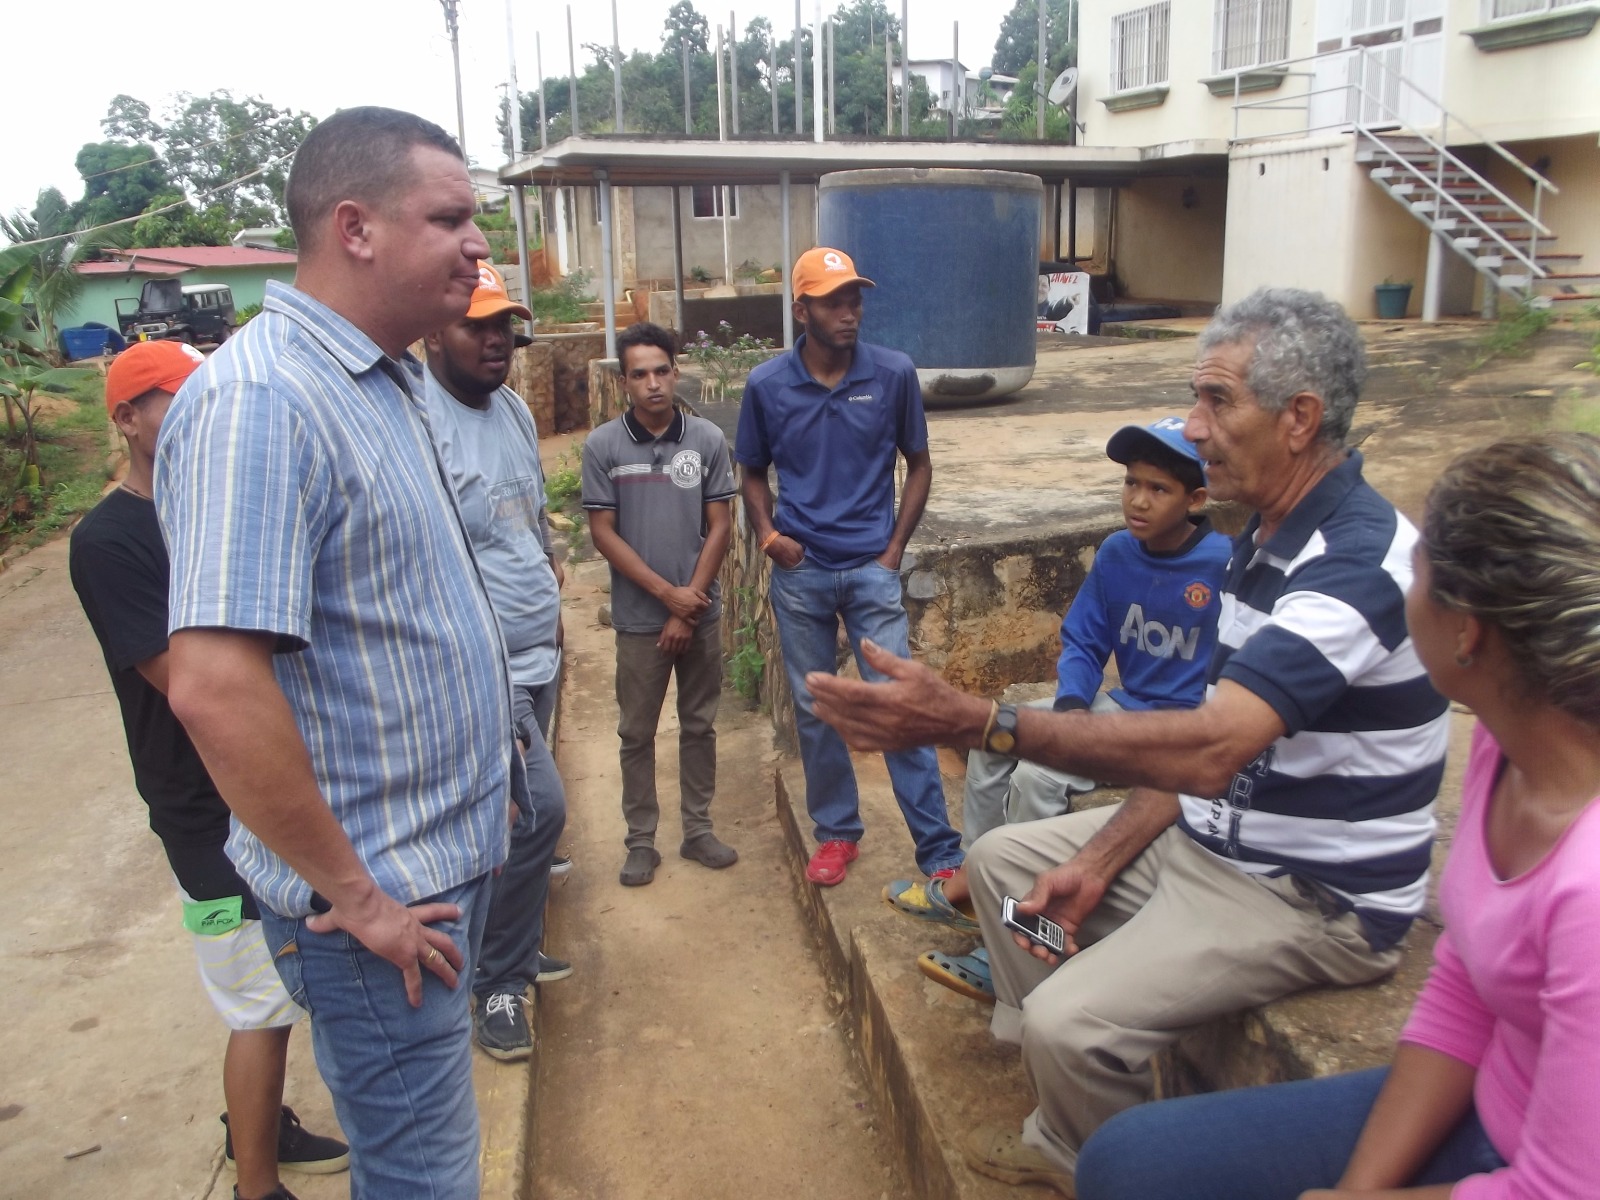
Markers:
334,655
1297,851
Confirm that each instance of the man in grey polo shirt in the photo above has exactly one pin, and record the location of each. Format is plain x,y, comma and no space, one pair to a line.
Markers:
657,484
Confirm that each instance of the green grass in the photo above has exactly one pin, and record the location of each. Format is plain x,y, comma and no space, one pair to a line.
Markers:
1509,338
72,470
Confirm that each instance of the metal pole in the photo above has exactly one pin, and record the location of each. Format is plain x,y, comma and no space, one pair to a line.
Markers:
905,70
772,75
788,265
817,127
833,76
1038,82
616,66
955,73
888,83
608,290
722,136
572,77
1057,251
1072,222
519,197
513,96
455,57
733,71
688,103
799,81
538,65
677,260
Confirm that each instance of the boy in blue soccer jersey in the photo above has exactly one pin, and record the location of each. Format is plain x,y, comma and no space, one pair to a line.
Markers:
1149,602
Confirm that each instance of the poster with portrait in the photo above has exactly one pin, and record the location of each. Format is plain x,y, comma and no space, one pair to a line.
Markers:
1064,302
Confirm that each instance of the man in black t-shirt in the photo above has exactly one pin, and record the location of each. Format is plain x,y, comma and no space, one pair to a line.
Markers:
119,567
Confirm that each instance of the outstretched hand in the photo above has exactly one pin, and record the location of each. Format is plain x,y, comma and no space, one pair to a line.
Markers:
912,707
400,934
1067,895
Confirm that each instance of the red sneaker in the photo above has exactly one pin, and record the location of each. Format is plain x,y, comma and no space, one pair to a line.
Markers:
827,865
944,873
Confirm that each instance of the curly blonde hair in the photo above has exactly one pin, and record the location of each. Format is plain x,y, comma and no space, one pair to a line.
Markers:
1512,534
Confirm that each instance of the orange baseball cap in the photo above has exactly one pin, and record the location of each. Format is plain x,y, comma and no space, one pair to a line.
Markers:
149,366
490,298
822,271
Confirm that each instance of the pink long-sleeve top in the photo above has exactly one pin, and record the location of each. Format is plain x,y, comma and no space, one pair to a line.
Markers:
1515,992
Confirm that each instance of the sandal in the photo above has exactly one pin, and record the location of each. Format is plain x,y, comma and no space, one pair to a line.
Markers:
964,973
927,902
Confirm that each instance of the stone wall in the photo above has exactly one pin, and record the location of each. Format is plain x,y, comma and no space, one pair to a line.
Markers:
573,352
533,378
606,397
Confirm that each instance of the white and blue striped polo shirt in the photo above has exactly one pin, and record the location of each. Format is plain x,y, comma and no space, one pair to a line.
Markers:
1313,622
300,495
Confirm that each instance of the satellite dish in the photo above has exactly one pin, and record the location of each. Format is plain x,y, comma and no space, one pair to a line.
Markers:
1066,83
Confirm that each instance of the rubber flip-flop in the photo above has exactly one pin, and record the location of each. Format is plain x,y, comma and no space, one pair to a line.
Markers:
927,902
967,974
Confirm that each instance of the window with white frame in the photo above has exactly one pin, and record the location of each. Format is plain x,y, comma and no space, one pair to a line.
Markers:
1249,33
708,200
1500,10
1139,40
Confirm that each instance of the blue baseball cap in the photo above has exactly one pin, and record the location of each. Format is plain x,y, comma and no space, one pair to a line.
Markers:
1168,432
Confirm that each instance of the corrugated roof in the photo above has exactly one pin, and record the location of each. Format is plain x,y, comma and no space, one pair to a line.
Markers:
142,266
211,256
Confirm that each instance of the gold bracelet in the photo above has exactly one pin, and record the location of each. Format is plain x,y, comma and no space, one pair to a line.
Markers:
988,726
768,540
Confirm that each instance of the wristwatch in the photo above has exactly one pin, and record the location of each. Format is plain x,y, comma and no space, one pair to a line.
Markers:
1002,738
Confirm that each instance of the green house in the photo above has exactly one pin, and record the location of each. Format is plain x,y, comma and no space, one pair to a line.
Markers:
245,269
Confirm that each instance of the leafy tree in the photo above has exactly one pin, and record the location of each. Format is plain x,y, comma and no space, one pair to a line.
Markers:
60,243
1018,43
213,139
119,180
128,120
184,225
685,23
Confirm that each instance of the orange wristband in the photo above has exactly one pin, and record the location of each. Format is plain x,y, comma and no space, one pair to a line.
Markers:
768,540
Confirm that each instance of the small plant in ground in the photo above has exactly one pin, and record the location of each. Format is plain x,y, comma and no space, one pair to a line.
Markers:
242,315
1512,332
563,303
747,666
565,484
699,274
1592,363
725,359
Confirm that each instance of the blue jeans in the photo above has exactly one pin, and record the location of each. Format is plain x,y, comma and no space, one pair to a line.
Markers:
401,1077
1259,1143
808,602
514,929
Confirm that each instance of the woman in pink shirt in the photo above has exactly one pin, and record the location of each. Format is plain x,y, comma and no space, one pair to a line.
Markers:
1495,1088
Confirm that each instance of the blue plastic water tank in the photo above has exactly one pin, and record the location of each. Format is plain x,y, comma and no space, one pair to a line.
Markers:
955,255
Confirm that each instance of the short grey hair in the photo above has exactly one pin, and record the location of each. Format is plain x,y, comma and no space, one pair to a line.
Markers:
1303,342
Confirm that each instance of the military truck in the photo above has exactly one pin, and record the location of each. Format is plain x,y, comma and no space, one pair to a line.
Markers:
201,312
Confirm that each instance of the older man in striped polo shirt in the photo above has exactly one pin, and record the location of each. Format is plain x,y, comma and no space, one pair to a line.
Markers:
334,654
1297,851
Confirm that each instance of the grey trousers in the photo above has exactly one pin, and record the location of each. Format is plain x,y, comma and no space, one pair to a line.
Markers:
642,675
1179,938
1002,790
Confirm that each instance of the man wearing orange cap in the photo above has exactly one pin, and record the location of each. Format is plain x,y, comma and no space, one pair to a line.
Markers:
119,568
487,440
833,415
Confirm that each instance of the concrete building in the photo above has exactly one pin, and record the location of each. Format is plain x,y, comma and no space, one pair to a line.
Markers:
1447,142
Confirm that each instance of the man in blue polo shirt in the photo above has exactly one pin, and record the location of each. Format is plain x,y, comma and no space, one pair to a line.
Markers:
832,415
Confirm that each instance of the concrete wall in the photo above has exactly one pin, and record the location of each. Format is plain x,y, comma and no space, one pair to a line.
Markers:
1574,214
1165,250
1303,213
1189,109
1546,90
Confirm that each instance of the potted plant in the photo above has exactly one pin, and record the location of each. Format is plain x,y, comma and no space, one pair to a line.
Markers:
1392,299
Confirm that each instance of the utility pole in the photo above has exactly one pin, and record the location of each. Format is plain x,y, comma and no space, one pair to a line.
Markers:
772,74
1038,82
905,69
616,65
453,29
572,76
538,65
799,82
733,71
818,129
688,104
957,75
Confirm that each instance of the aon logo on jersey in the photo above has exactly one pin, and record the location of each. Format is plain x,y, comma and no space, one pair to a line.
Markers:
1158,640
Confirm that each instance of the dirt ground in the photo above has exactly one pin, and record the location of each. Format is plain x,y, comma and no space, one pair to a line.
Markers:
695,1052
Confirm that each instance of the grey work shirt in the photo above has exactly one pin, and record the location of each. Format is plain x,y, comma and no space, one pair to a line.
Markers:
493,457
658,487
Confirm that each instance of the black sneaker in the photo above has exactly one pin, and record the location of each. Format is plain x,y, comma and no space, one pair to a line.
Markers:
552,970
299,1149
278,1193
501,1023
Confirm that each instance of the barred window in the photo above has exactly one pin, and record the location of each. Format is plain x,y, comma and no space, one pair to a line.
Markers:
1139,40
1250,33
708,200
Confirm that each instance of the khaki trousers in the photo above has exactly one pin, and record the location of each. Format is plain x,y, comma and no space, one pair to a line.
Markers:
642,675
1179,938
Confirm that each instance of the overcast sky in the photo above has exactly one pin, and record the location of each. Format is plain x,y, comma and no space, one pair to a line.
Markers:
66,61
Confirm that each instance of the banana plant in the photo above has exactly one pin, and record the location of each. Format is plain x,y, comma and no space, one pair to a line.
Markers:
20,382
